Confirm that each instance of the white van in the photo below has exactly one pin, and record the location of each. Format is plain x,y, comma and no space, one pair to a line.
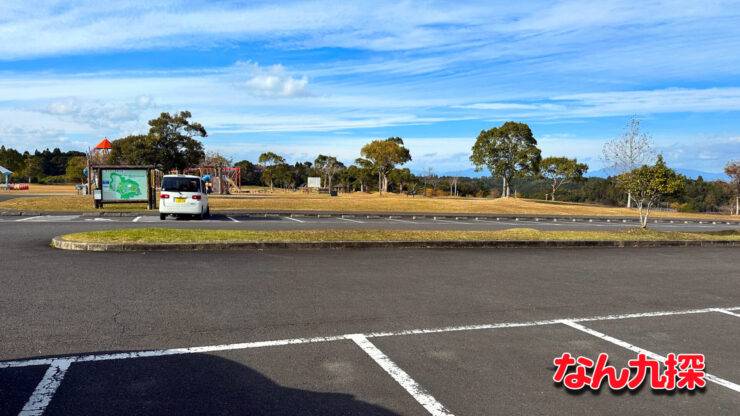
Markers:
183,195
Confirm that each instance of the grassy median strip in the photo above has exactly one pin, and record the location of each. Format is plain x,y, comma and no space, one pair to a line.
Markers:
165,235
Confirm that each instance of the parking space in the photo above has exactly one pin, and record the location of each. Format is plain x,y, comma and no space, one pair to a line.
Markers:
322,378
480,369
713,334
510,370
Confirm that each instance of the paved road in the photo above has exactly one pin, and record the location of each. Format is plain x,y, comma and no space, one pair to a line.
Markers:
72,223
307,303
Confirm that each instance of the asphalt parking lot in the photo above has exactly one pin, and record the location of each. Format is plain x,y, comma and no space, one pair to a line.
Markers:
351,331
278,222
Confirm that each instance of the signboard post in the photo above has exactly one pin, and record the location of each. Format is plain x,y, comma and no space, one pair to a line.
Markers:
125,184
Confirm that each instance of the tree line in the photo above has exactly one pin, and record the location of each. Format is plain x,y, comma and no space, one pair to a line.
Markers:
509,152
46,166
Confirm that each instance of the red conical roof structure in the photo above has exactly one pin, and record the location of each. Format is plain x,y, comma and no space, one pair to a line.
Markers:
105,144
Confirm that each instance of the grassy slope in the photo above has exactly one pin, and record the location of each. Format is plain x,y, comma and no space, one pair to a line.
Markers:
361,202
163,235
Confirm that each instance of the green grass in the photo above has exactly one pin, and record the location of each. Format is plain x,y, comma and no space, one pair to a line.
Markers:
164,235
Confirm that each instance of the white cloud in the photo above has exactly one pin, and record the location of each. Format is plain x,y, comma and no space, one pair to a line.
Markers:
273,81
97,114
64,107
47,28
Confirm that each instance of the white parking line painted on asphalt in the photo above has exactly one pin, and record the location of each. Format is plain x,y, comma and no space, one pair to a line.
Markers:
410,385
258,344
453,222
350,220
40,398
233,219
27,219
45,390
136,219
722,382
294,219
404,221
725,311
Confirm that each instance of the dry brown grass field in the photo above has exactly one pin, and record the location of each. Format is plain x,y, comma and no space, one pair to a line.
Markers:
361,202
35,188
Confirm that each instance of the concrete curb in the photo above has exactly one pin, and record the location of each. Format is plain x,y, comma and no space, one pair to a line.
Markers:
408,215
64,244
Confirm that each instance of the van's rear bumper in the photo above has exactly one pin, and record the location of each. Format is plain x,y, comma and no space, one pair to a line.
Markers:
191,206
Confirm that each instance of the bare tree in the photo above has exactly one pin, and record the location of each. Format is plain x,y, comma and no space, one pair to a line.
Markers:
632,149
453,182
430,178
215,160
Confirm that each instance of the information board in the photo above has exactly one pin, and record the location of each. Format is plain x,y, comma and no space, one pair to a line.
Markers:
314,182
124,184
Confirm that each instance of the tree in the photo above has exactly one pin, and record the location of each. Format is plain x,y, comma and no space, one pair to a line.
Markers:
249,172
271,174
169,145
561,170
300,173
12,160
34,168
75,168
431,179
365,173
348,177
328,166
508,151
215,160
385,155
732,169
648,184
402,177
453,183
631,149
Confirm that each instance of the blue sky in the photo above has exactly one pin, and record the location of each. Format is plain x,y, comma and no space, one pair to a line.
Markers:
309,77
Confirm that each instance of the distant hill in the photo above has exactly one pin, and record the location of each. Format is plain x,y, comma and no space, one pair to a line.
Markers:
690,173
469,173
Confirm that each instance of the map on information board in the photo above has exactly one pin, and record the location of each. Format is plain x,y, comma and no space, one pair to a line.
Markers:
124,184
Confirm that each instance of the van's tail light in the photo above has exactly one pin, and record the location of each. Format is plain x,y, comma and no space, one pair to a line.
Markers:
196,197
164,196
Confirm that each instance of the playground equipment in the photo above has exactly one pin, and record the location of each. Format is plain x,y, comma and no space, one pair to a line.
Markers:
5,173
17,187
223,180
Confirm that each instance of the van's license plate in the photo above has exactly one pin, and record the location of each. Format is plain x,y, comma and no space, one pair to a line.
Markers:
180,200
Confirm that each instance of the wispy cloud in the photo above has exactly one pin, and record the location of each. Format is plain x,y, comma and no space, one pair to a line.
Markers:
419,69
619,103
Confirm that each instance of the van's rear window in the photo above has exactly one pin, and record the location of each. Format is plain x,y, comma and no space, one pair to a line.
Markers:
181,184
